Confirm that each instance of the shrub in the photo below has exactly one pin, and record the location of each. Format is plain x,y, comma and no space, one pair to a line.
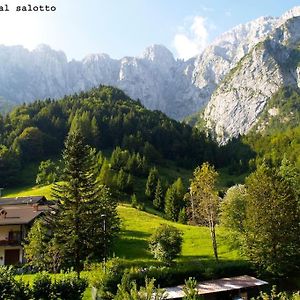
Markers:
190,290
69,287
166,243
106,276
42,288
128,290
275,295
10,289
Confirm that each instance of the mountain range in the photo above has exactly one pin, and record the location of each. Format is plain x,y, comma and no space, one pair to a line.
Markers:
230,81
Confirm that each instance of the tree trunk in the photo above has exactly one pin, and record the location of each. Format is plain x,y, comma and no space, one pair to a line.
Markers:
214,240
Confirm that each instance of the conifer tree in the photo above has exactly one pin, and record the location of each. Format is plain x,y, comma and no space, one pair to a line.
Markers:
171,208
104,176
86,219
121,180
180,190
158,201
95,133
174,199
182,216
151,184
129,184
134,201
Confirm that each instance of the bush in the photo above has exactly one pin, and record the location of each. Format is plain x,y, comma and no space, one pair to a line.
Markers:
105,277
69,287
42,288
190,290
166,243
10,289
129,290
275,295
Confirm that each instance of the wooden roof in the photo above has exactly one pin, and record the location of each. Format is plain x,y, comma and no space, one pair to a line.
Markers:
23,200
216,286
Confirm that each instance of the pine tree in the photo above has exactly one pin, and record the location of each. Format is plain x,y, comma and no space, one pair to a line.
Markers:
134,201
174,199
171,208
158,201
180,190
151,184
104,176
182,216
95,133
129,184
121,180
85,220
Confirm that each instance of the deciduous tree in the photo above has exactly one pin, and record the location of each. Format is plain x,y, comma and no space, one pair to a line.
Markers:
204,200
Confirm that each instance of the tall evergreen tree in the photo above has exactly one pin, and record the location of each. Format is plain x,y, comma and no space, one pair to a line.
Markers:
158,201
86,219
171,208
95,133
104,176
174,199
151,184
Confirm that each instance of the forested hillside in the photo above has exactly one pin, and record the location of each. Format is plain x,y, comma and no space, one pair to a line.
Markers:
277,133
107,118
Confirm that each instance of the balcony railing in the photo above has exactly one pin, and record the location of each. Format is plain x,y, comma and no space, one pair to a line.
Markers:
10,242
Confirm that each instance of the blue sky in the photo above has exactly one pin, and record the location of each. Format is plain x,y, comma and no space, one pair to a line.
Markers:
125,27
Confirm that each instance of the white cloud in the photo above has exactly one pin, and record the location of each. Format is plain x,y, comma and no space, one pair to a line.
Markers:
192,40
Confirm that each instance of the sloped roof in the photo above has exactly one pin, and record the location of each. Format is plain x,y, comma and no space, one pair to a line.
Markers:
218,285
21,214
23,200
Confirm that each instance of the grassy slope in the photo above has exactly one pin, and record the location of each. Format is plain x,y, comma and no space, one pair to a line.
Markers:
137,226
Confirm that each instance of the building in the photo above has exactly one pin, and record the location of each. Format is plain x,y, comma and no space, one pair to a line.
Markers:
233,288
17,215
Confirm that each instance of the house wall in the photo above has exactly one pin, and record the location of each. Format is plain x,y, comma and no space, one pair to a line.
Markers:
5,229
2,253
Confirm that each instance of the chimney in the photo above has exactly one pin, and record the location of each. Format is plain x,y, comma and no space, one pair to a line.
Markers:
35,207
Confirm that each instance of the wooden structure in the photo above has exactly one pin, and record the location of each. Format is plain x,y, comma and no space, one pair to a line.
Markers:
235,288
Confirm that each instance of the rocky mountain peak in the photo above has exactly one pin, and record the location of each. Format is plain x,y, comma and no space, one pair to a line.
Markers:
161,82
237,103
158,54
294,12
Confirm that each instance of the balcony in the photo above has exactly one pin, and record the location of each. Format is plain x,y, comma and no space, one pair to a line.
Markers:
13,239
10,242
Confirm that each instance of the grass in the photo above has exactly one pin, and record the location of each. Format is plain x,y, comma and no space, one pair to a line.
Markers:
132,246
44,190
139,225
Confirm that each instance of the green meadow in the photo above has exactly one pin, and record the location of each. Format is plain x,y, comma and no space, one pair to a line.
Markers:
137,226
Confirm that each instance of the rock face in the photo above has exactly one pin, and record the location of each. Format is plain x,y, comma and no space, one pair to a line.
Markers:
175,87
241,97
156,78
